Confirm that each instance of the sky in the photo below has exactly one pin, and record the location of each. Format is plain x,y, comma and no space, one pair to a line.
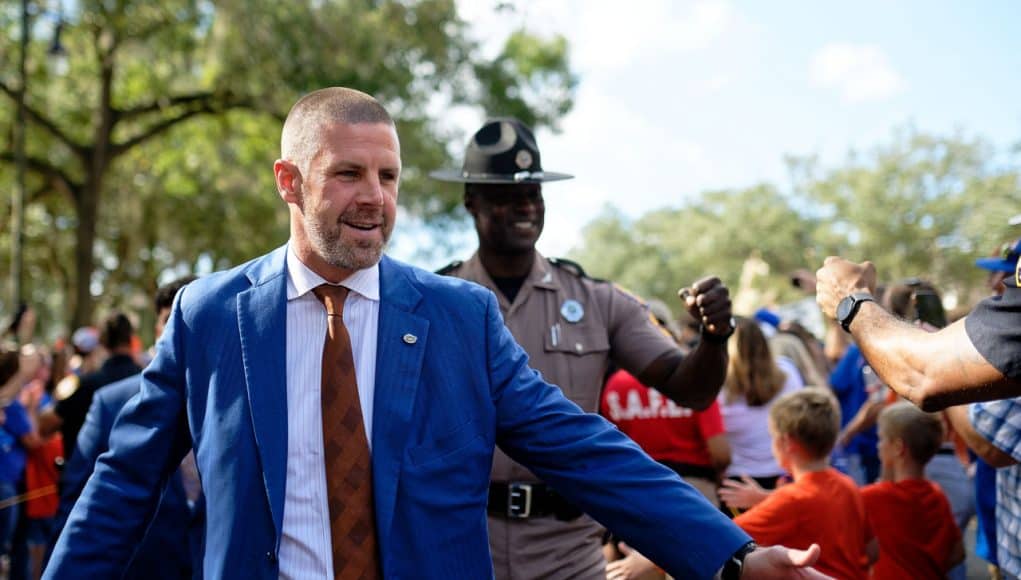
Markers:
679,97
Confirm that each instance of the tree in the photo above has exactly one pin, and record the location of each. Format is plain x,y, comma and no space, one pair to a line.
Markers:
145,153
919,206
715,234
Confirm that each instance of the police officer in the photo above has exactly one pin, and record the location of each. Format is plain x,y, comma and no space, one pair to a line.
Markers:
572,326
977,358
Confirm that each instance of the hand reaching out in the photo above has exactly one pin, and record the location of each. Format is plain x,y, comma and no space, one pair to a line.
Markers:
742,494
780,562
633,565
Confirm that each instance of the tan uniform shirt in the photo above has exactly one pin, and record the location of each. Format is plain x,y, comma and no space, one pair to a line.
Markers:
574,356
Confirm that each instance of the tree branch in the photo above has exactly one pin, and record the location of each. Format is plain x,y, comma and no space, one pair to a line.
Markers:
205,107
39,119
163,103
46,170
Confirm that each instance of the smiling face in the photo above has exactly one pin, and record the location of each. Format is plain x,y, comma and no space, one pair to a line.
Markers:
343,206
508,217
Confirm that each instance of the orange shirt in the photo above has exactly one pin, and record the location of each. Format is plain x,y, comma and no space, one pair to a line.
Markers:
821,507
41,477
914,526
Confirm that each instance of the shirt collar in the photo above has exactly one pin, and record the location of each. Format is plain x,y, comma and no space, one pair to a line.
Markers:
301,279
541,274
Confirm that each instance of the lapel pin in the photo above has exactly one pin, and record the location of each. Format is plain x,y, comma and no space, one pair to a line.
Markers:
409,339
572,311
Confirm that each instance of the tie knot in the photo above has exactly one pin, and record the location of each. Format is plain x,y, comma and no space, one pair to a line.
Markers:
332,298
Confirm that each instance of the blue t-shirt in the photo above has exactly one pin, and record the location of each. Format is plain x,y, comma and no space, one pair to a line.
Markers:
12,453
848,384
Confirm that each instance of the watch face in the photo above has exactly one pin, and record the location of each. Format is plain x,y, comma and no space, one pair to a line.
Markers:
844,308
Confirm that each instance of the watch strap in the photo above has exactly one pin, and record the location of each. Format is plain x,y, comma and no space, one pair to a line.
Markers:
733,567
857,299
718,338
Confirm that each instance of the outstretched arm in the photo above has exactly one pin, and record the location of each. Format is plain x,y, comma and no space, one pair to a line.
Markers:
693,381
931,369
961,424
780,562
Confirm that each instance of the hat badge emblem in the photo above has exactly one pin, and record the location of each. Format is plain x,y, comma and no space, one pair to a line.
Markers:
523,159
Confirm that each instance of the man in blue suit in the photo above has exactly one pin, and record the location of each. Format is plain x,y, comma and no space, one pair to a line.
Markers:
436,380
174,540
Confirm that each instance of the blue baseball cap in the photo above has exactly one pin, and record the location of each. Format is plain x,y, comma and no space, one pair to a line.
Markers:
1005,258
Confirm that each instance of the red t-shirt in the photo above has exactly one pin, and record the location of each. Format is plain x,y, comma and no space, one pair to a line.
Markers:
821,507
41,477
914,526
664,429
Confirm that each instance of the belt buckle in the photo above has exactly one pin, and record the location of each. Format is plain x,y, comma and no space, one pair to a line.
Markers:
519,500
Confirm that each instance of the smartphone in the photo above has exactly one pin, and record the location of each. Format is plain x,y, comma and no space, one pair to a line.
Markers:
929,309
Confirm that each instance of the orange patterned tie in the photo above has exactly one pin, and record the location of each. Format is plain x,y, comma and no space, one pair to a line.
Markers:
346,449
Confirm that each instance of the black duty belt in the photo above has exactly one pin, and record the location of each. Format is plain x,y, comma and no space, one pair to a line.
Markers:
521,500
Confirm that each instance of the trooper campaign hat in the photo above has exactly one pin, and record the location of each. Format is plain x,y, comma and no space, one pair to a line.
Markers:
502,151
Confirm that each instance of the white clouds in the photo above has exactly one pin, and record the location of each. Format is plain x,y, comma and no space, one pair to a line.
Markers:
859,72
608,37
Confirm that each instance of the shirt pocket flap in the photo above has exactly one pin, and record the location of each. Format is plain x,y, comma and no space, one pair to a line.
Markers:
575,339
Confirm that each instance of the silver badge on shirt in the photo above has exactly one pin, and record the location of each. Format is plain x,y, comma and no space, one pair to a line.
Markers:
572,311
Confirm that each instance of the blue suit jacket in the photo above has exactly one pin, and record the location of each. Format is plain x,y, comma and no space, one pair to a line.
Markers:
174,539
441,405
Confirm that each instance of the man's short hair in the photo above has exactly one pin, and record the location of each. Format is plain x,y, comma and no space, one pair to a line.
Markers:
116,331
811,416
320,108
165,294
921,432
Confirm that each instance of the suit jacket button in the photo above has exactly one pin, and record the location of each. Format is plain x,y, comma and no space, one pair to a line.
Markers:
271,557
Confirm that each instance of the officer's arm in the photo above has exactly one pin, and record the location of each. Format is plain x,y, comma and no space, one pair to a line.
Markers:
931,369
691,381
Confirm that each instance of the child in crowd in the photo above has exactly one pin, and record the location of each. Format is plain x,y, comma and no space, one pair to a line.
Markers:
910,515
822,505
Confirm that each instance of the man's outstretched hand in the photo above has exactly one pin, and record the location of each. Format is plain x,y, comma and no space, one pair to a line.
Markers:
780,562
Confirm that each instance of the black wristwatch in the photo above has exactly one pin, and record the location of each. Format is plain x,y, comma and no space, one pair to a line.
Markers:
849,306
733,567
719,338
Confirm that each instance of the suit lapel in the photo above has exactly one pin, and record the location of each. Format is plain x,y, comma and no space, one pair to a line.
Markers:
262,324
398,369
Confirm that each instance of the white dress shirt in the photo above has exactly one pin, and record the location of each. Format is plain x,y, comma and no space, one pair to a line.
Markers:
305,548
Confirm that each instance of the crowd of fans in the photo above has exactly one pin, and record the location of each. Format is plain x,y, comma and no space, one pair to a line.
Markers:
804,446
801,448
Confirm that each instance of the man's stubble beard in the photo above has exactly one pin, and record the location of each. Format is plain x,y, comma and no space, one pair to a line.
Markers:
327,241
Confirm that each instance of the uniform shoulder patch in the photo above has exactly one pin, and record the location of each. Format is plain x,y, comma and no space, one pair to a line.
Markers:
629,294
569,266
444,271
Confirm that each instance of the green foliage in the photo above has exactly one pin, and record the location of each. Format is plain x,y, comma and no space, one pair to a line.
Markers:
154,149
920,206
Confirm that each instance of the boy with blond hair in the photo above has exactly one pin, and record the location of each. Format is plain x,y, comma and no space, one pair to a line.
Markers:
822,505
911,516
